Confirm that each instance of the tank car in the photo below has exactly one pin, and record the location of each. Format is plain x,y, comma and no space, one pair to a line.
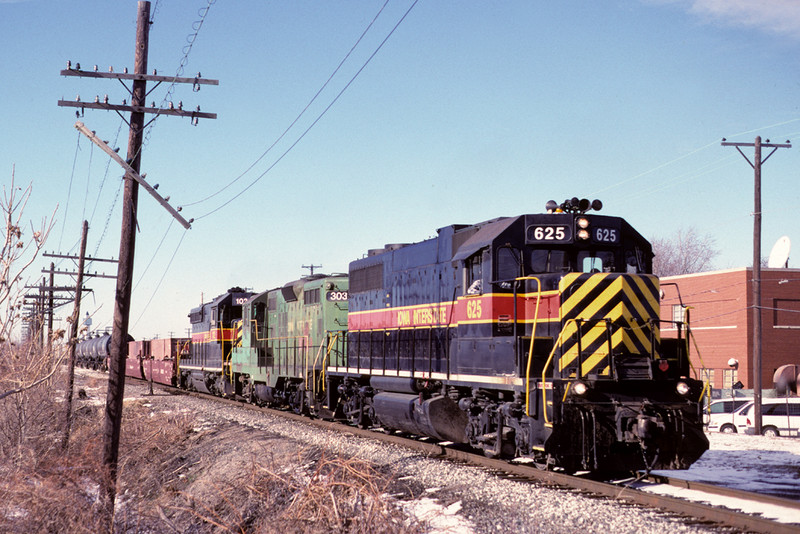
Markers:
93,352
536,336
206,368
288,335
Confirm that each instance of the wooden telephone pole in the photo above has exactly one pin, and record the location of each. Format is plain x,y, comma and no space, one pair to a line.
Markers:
73,338
756,308
132,165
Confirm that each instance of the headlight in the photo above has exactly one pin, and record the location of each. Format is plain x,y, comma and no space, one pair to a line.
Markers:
579,388
682,388
582,222
583,234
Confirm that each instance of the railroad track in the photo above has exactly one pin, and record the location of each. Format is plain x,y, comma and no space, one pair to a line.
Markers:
630,491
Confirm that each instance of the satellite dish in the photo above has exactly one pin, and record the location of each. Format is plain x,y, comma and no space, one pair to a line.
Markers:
779,257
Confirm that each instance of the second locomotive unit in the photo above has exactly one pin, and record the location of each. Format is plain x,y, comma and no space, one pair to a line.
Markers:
534,336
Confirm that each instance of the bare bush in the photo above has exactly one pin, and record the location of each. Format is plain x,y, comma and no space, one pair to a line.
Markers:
47,490
685,253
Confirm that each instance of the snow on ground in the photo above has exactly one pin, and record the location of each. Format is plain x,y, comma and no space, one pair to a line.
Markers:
759,464
749,463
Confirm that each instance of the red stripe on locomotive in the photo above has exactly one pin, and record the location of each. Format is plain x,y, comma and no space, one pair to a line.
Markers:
474,309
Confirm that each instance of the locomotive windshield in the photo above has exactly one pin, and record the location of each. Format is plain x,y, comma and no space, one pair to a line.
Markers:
586,261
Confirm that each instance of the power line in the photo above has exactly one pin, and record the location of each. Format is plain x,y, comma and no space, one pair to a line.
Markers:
308,105
69,189
315,120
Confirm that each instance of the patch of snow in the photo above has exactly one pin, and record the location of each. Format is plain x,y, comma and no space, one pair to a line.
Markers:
441,519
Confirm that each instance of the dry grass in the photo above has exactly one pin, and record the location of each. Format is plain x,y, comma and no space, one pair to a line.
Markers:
173,478
313,494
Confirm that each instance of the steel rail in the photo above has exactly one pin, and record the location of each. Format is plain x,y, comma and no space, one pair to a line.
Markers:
525,472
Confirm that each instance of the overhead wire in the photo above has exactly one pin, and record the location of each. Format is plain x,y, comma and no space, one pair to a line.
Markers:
690,153
161,280
300,115
69,189
191,38
319,117
155,253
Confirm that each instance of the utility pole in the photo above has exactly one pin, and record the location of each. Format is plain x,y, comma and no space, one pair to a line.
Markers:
73,339
119,338
50,309
756,308
311,267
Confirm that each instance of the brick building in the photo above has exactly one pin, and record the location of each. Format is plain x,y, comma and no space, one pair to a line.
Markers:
719,304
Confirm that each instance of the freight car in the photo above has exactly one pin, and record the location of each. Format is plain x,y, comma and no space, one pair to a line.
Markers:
156,359
536,336
93,351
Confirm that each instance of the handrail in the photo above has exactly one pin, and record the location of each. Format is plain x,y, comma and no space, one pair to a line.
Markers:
547,363
533,337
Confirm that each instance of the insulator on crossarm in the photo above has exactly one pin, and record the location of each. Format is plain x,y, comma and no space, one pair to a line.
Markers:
153,104
166,198
105,99
156,186
155,72
77,98
171,105
69,64
180,208
124,102
95,68
96,99
180,104
125,70
110,68
78,66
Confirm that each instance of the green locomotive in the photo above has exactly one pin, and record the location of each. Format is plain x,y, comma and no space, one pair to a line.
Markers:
285,340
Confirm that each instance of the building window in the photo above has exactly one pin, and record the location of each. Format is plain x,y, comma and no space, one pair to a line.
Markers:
786,313
729,378
707,376
678,313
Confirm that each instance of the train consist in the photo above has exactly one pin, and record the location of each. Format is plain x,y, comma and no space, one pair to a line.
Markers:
536,336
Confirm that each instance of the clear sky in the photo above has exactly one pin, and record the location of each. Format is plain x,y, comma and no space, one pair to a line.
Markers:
470,110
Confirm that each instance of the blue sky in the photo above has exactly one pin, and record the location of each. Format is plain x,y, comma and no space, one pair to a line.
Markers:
468,111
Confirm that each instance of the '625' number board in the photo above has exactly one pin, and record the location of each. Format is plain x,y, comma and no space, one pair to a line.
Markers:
549,233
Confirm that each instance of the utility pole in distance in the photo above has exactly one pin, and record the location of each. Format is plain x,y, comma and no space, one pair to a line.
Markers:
756,165
119,339
74,330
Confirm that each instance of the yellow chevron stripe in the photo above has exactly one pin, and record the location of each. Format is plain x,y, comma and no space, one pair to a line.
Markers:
629,333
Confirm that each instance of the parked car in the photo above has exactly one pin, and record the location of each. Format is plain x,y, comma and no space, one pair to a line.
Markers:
779,417
721,415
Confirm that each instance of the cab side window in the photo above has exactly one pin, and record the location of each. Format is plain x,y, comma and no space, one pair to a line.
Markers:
508,264
474,266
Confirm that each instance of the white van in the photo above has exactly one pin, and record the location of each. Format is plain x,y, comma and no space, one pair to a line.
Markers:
719,417
779,417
